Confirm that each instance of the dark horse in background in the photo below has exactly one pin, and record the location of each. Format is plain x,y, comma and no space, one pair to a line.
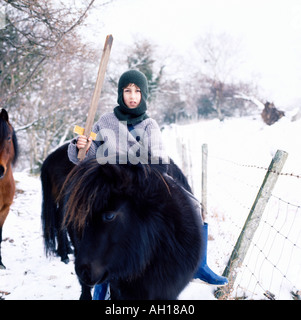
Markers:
132,225
54,172
8,157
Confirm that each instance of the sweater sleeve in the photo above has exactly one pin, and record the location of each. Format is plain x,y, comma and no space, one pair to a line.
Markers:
73,151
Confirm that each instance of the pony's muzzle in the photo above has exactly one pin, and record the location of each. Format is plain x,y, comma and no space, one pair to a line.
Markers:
2,172
90,275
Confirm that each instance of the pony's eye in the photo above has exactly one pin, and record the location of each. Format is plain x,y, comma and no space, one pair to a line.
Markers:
109,216
8,138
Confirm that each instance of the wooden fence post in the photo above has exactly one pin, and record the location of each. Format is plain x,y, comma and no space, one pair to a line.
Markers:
204,180
252,222
185,158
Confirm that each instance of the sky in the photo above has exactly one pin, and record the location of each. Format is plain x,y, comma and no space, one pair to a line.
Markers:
269,30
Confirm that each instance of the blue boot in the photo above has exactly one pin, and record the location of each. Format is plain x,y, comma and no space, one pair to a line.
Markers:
101,291
204,273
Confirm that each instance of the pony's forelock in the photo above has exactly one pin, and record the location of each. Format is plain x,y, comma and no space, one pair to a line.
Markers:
6,129
91,185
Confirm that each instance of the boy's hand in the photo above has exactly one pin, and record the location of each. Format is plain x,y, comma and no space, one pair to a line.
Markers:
82,141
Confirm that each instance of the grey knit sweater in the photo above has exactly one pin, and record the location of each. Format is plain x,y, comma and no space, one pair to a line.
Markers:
114,138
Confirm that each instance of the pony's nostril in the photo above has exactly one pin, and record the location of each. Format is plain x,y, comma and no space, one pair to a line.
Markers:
2,170
84,273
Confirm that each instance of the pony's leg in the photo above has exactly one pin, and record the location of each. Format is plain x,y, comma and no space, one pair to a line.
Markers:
63,247
86,292
1,264
63,243
3,215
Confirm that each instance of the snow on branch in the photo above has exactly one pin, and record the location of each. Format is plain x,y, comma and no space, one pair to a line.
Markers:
243,96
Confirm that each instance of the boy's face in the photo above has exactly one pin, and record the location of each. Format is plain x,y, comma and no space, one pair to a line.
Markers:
132,96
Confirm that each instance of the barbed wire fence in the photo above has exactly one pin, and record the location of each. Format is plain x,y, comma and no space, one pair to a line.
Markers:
264,263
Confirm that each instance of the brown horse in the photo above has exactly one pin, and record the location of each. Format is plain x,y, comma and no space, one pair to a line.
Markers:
8,156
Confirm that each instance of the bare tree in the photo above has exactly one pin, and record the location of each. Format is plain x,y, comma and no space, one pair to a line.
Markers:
46,72
34,31
219,57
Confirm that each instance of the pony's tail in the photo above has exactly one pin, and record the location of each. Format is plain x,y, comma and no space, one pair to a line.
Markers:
49,212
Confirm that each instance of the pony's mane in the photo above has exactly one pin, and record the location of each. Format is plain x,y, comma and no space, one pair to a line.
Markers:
91,185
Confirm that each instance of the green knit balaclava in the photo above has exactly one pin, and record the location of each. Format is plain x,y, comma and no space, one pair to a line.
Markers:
122,112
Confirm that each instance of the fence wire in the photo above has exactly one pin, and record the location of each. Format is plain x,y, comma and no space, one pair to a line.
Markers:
272,266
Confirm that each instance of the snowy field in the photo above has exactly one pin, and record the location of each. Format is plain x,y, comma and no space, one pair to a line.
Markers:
238,149
30,275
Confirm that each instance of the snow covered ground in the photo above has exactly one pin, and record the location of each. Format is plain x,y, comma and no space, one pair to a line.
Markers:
30,275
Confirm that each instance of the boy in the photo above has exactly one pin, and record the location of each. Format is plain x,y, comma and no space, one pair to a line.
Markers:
128,131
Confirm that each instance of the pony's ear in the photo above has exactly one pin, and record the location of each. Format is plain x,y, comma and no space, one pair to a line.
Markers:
4,115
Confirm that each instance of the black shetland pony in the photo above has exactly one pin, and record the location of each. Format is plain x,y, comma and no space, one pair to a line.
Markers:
131,225
8,157
54,172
